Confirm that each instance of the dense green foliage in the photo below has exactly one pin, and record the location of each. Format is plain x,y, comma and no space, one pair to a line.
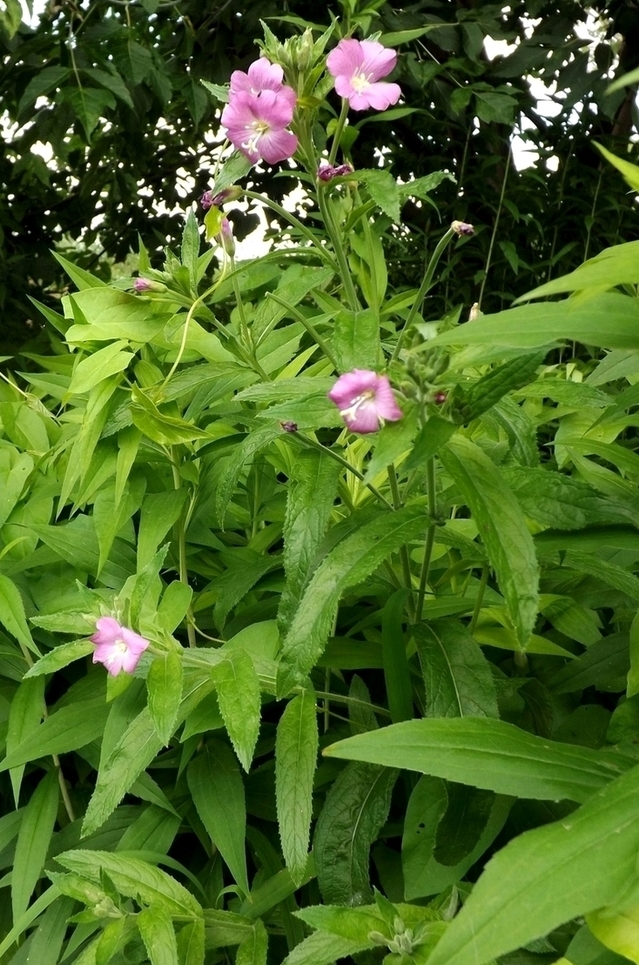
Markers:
125,126
389,711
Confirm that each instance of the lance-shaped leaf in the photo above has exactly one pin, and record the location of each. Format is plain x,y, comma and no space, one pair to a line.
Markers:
588,857
457,676
33,842
354,811
158,935
216,786
238,695
351,561
164,685
502,526
487,753
295,759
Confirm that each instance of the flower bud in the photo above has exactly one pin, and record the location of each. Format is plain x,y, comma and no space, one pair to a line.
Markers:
207,200
288,426
226,238
326,171
474,312
439,398
228,194
143,285
461,228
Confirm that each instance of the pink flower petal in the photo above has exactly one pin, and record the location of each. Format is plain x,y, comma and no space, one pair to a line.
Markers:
107,631
387,407
351,385
261,75
346,59
377,60
364,420
135,643
277,146
381,95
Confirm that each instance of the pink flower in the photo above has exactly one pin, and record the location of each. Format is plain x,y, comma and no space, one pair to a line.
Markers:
357,66
365,400
256,125
117,647
326,171
262,75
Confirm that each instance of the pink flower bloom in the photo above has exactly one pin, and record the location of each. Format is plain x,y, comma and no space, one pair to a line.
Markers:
262,75
117,647
365,400
256,125
357,66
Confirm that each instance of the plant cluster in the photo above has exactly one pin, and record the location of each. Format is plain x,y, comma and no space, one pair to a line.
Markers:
319,611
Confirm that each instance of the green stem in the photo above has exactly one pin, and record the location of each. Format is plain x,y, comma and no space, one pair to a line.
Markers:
343,462
430,537
403,551
423,289
245,334
339,129
344,270
310,328
494,234
181,541
480,597
338,698
292,220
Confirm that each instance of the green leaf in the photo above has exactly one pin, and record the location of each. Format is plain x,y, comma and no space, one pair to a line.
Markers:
295,759
46,940
487,753
291,291
322,948
216,786
251,445
232,171
69,728
423,874
429,441
610,321
159,512
25,714
238,694
15,468
89,105
217,91
629,171
61,657
164,685
190,249
12,615
503,529
611,267
44,81
174,605
392,442
457,676
462,824
253,949
33,842
588,857
355,809
396,668
505,378
134,751
100,365
383,190
356,557
356,341
134,878
108,314
604,665
190,944
309,501
158,935
165,429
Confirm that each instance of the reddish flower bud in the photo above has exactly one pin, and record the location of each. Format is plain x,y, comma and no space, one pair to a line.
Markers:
461,228
289,426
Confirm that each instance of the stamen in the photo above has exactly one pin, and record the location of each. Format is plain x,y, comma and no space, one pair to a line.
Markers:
360,82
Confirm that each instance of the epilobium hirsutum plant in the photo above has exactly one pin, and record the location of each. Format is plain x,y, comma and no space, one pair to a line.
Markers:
252,508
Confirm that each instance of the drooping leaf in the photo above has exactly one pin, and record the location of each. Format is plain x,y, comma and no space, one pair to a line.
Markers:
503,529
352,560
295,760
355,809
216,785
33,842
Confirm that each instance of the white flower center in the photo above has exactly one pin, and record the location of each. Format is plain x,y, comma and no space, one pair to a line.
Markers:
360,82
357,403
119,649
259,128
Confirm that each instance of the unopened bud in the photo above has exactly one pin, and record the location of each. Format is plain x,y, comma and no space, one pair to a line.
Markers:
226,238
474,312
207,200
228,194
143,285
289,426
461,228
326,171
377,938
439,398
